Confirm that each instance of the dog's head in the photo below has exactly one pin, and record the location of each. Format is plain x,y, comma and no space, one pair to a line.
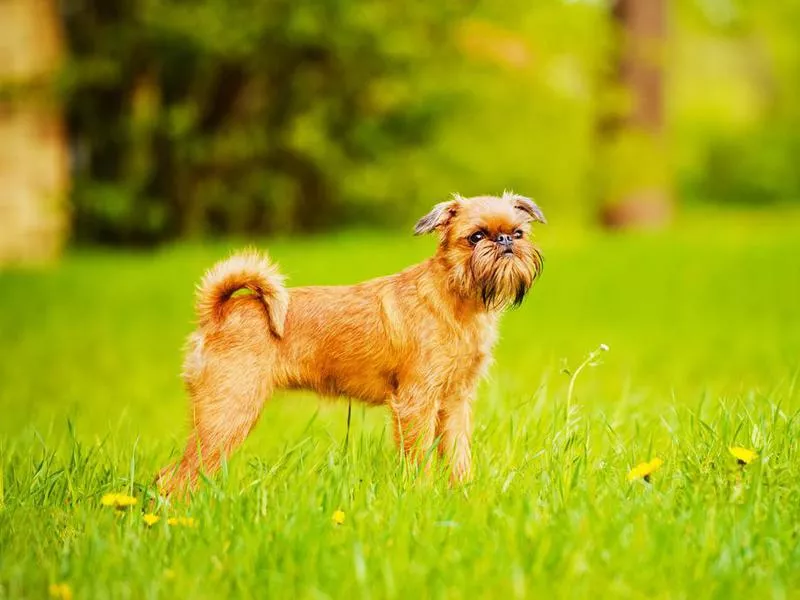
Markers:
486,244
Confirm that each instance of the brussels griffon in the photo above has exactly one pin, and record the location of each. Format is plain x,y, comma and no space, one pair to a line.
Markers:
417,341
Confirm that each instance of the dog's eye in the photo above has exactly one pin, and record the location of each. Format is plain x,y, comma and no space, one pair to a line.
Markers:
476,237
518,234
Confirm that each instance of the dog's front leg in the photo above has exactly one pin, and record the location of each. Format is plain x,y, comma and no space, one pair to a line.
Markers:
415,417
455,431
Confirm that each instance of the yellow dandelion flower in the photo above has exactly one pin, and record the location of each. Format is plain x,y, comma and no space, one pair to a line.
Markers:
338,517
645,469
118,501
182,522
124,501
743,456
150,519
61,591
109,500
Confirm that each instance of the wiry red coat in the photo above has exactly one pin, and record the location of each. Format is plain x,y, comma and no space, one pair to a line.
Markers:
418,340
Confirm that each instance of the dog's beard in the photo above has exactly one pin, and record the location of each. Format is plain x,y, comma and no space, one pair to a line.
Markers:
503,280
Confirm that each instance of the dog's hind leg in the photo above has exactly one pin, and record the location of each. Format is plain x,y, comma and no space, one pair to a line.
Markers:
228,377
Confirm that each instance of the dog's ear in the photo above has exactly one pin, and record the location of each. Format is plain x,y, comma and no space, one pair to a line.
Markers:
528,206
439,216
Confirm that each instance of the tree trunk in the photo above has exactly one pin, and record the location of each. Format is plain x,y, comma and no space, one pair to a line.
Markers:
34,172
633,146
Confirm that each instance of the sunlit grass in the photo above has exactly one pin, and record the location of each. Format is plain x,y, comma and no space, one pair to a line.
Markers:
704,344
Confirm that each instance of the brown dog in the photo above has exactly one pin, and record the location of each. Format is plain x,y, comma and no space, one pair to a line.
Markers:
417,341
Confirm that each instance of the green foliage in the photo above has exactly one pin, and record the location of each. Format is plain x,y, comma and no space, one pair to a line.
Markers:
212,117
223,116
736,100
704,348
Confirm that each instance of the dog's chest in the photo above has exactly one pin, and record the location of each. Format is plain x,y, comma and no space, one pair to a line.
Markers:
469,348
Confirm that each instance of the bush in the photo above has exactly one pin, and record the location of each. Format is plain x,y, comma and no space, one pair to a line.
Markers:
190,118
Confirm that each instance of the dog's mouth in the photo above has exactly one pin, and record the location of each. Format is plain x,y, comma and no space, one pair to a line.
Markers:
504,278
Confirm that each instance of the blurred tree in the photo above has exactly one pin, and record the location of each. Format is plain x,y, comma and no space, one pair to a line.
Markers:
632,128
222,116
33,150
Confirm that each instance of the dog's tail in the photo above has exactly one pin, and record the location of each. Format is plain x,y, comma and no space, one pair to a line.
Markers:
248,270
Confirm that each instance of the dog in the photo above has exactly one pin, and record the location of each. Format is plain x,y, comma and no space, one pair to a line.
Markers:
417,341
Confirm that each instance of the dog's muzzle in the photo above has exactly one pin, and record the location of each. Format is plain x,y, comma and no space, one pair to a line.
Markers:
506,243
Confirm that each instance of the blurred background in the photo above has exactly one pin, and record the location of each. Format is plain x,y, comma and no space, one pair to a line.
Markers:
138,122
142,140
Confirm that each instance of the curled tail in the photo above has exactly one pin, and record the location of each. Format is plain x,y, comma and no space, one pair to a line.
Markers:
249,270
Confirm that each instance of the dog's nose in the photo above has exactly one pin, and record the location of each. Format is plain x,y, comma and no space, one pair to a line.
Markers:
505,241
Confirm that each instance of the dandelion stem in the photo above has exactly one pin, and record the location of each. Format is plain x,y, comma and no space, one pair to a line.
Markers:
589,360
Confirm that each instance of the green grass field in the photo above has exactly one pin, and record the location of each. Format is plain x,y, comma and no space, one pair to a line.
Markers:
704,335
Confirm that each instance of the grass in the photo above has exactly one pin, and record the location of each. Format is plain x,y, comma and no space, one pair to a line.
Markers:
704,343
